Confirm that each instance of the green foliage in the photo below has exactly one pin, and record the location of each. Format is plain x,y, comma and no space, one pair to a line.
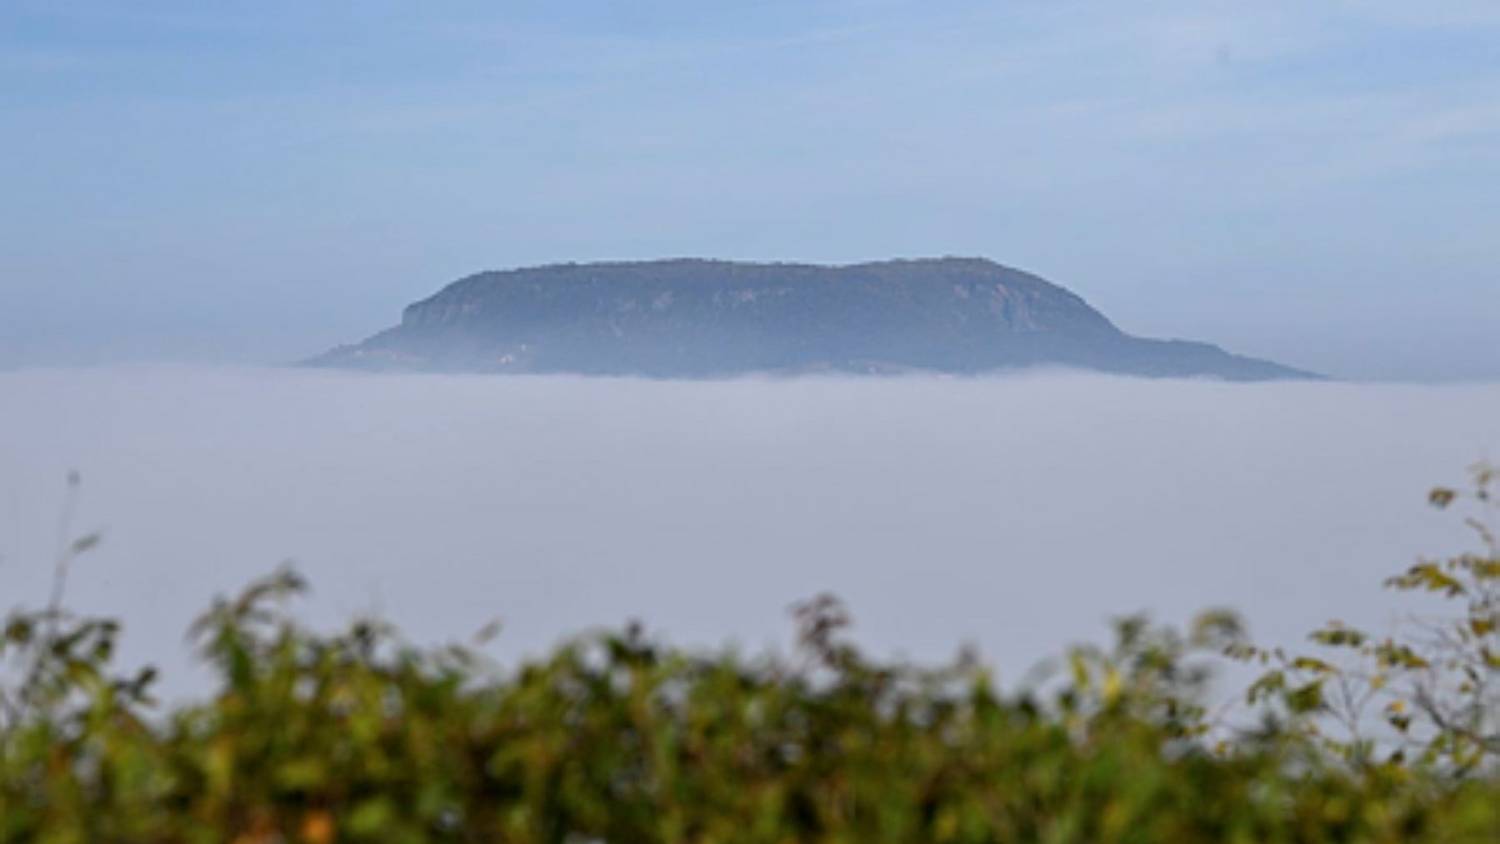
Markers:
359,736
1431,691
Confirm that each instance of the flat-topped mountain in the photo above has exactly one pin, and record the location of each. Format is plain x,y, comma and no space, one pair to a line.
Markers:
697,318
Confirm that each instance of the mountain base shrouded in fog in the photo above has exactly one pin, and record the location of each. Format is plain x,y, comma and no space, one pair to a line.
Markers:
696,318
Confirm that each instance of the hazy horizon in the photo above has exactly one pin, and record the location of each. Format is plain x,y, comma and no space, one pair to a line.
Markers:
243,183
1016,513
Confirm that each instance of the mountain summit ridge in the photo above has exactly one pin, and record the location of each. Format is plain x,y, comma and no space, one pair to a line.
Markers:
696,317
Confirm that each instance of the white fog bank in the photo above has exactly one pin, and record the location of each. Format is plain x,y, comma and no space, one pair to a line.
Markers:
1015,513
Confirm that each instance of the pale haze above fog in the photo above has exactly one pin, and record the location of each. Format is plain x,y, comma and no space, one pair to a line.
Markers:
1018,514
1313,183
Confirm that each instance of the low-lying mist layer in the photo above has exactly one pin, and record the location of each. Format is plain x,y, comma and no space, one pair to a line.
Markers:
1016,513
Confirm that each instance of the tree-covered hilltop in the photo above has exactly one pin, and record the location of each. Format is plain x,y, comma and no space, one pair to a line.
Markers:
618,737
696,318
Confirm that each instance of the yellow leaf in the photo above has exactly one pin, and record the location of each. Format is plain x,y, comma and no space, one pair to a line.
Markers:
317,827
1112,685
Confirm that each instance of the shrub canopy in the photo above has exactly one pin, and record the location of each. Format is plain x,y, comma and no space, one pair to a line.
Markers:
617,737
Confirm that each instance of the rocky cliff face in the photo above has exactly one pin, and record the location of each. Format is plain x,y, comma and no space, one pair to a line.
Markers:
694,318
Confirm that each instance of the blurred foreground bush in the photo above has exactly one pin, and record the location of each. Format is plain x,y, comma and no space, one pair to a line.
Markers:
619,738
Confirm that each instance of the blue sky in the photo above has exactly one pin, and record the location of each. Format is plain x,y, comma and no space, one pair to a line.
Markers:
1314,182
